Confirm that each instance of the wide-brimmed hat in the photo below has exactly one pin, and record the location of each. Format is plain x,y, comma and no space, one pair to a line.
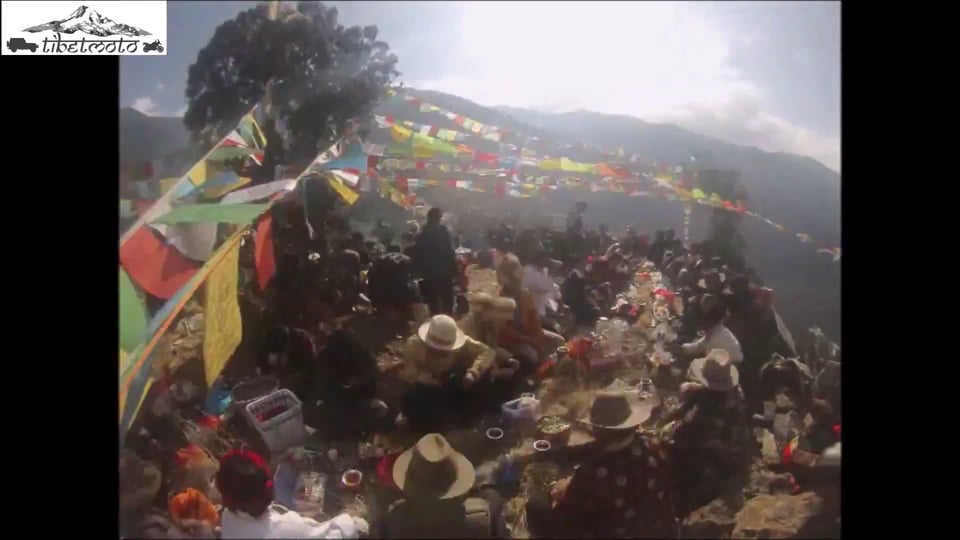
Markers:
715,371
441,332
433,469
615,410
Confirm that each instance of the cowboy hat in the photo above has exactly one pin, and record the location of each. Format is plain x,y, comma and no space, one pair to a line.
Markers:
441,332
715,371
433,469
614,410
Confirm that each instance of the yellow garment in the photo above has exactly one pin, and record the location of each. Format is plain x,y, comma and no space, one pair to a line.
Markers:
424,366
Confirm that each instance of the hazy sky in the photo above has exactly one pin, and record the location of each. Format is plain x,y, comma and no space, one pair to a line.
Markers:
763,74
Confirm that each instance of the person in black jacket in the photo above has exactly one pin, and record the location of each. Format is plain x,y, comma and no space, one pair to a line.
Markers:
436,262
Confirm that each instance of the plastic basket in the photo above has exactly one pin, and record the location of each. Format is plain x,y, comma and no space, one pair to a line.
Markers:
281,431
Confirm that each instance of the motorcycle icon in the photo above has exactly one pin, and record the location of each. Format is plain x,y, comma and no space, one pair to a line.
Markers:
155,46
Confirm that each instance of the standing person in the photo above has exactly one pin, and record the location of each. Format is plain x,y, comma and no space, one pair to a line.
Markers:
246,484
383,232
575,218
436,261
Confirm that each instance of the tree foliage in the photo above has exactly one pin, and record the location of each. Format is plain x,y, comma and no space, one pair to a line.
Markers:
318,72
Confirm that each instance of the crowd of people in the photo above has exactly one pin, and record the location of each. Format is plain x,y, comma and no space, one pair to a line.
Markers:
470,350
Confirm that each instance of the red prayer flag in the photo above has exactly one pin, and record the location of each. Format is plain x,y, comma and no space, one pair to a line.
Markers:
420,164
501,189
402,184
157,268
483,158
451,182
264,258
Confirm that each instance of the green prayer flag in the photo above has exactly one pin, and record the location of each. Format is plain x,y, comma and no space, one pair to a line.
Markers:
213,213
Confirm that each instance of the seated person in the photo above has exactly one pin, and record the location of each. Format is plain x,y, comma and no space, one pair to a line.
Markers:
290,355
246,484
576,295
347,383
440,499
537,280
524,336
716,335
621,490
390,284
711,436
441,363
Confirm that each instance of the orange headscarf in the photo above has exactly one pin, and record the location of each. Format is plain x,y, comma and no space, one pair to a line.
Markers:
191,504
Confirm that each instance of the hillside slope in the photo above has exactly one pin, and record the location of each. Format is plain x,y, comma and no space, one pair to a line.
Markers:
145,137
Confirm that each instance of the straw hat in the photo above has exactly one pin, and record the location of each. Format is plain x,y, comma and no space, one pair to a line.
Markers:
441,332
615,410
433,469
715,371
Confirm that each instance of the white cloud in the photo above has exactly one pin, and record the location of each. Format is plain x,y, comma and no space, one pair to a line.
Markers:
181,112
654,60
160,86
146,105
742,120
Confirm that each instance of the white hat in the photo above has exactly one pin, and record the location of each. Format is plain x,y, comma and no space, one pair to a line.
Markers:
715,371
441,332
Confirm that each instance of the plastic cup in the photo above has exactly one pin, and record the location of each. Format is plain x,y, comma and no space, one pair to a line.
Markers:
541,445
494,434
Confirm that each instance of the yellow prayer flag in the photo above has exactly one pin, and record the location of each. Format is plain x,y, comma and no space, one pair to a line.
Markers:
258,133
223,329
220,191
400,133
167,183
550,164
348,195
476,127
198,174
423,153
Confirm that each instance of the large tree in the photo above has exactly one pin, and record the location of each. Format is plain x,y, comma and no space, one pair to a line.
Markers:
319,75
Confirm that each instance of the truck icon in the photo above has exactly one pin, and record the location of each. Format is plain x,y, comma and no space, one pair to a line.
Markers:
20,44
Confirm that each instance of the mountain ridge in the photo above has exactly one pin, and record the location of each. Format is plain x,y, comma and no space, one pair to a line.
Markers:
88,21
798,192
